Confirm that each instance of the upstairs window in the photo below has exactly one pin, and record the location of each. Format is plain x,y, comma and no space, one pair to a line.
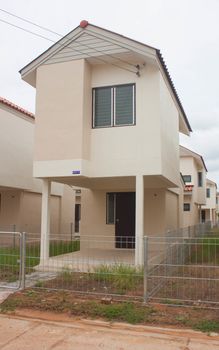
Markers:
200,179
186,207
208,193
187,178
114,106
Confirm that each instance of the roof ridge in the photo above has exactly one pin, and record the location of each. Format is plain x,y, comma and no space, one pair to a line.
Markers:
16,107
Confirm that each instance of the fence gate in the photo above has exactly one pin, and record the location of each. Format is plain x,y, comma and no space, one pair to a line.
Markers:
11,259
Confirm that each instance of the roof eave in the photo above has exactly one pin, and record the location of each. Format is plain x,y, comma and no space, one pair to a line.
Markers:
188,128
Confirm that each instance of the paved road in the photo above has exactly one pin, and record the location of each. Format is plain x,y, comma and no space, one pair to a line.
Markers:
20,333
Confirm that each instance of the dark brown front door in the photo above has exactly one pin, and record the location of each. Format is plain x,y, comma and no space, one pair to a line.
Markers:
125,220
203,215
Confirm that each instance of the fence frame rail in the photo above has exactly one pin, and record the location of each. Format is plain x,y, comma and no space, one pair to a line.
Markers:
168,261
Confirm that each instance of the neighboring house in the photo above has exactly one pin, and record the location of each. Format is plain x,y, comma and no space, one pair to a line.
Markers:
193,170
107,121
209,211
20,194
217,206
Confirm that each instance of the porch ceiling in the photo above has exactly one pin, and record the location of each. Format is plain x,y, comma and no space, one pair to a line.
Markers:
121,183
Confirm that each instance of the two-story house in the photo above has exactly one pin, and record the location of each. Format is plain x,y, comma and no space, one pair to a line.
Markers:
20,193
108,120
209,210
193,170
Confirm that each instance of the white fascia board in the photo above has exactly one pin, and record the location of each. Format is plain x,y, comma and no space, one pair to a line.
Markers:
59,45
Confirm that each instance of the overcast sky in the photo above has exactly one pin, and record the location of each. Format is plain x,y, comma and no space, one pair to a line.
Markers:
186,32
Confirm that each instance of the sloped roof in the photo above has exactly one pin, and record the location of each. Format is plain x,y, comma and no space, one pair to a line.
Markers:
133,45
211,182
186,152
17,108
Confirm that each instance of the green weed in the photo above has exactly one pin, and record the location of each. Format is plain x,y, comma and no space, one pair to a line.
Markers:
207,326
171,302
126,312
10,257
205,250
121,277
183,320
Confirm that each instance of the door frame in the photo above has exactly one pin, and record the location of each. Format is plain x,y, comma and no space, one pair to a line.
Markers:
128,241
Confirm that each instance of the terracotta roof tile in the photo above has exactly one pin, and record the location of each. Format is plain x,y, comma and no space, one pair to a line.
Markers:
16,107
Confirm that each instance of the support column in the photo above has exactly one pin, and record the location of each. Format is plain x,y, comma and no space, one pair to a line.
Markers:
45,221
200,214
210,215
139,219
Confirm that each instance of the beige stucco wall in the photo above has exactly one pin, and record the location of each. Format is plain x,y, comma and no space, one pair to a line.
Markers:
191,217
211,202
16,145
172,208
211,205
9,209
30,212
169,134
67,211
20,193
59,111
154,212
22,209
94,231
65,140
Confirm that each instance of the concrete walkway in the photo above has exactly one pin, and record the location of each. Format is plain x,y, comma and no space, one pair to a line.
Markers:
18,332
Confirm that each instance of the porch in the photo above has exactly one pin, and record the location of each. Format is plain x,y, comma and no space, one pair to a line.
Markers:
88,259
93,255
116,211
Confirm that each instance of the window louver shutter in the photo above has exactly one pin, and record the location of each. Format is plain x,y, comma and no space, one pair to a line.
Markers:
124,105
102,107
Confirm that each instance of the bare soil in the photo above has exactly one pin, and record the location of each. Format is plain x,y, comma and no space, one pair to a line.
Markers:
67,304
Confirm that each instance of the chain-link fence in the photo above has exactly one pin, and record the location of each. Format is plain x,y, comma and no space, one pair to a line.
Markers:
11,263
179,267
187,269
89,264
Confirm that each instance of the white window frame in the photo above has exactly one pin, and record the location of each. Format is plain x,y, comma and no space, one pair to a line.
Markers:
189,206
113,106
190,176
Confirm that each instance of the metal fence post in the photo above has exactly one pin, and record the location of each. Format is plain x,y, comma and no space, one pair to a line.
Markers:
14,230
23,259
145,269
71,230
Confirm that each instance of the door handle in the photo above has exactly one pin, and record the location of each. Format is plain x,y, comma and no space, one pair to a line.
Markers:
117,220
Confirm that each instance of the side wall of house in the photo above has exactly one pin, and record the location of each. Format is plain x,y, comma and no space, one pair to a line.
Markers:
21,210
16,145
9,210
169,116
172,207
191,217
